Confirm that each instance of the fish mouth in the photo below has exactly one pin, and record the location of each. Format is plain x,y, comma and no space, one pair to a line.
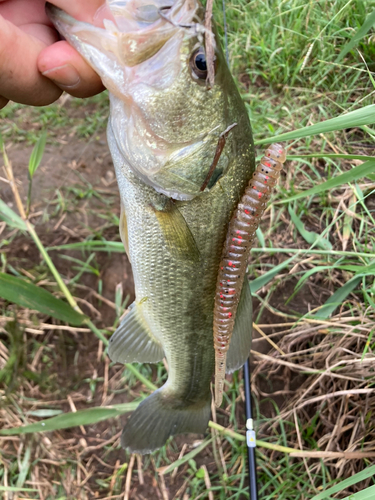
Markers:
133,30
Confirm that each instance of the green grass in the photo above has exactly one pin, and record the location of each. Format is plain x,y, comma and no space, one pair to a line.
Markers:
272,40
317,238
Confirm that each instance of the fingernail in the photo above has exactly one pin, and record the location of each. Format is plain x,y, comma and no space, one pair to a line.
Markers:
65,76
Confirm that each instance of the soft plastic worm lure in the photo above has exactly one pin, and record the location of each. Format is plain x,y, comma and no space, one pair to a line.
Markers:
240,239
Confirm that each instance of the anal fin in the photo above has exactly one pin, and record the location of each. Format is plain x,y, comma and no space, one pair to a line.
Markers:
240,343
133,340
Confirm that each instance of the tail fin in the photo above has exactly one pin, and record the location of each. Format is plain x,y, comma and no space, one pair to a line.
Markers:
160,416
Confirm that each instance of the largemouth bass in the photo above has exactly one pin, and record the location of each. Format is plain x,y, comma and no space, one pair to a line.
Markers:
164,128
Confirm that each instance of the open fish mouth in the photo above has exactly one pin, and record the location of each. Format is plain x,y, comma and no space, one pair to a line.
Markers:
132,31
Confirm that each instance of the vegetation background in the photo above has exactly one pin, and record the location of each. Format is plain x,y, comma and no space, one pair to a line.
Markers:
62,404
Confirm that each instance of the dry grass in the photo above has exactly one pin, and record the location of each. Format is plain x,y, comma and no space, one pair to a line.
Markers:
331,409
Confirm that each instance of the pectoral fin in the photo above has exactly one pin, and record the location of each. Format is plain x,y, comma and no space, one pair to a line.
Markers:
133,340
178,237
240,343
124,231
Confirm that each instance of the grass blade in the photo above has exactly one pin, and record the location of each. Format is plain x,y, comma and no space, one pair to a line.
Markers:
337,298
24,467
366,494
15,489
357,118
360,476
28,295
310,272
98,246
347,226
363,270
260,237
362,31
368,343
310,236
140,377
333,156
10,217
350,176
37,154
260,282
73,419
185,458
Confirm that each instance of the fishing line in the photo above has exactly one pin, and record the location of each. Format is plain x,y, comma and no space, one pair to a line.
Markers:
250,433
225,33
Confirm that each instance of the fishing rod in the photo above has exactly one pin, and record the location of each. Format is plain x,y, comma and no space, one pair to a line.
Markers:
250,433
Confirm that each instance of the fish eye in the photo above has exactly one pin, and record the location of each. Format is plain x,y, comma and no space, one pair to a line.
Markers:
198,64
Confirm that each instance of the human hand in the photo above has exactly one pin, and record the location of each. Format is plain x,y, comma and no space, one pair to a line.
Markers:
35,67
